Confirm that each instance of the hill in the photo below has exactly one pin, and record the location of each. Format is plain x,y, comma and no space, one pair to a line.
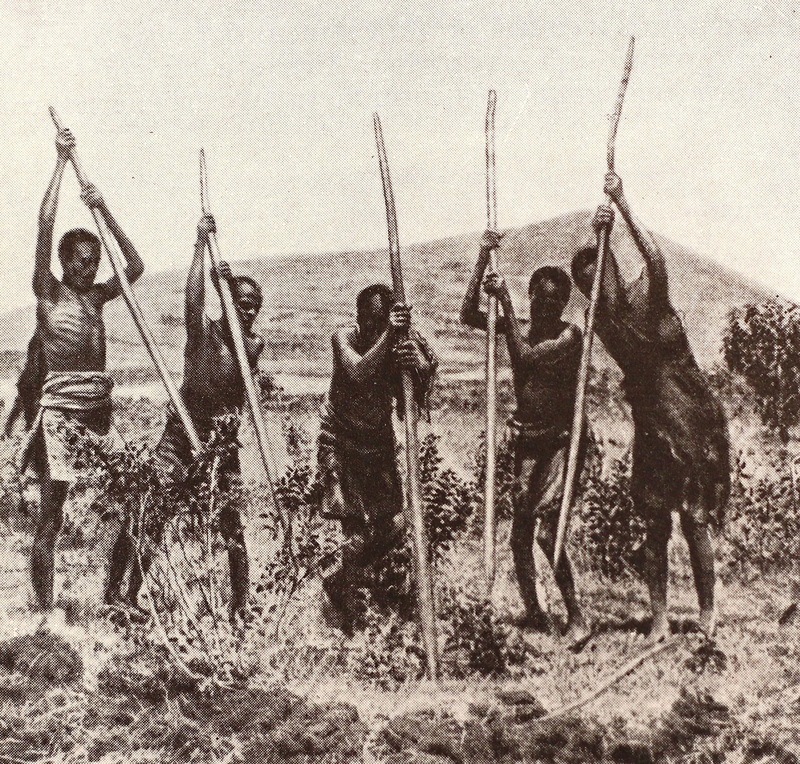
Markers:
306,297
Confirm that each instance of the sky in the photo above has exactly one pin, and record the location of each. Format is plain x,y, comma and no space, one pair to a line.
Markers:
281,97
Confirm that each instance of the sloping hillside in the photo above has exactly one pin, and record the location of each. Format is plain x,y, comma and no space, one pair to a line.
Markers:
307,297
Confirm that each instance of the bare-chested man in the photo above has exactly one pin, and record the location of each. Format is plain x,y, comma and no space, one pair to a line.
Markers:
77,390
544,363
212,387
361,485
680,447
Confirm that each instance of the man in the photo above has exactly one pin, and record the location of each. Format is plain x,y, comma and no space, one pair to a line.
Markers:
360,484
29,387
680,447
212,387
76,395
544,364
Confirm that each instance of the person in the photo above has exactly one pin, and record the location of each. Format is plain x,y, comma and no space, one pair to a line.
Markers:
29,387
212,388
680,445
76,394
544,364
356,450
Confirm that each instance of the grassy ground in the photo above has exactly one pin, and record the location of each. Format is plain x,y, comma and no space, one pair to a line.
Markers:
753,669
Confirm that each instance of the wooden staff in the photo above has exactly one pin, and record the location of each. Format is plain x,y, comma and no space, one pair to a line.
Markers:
579,414
490,520
232,316
424,575
110,246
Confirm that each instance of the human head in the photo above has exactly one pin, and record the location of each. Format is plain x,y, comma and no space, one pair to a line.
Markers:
372,311
248,298
79,253
549,290
584,266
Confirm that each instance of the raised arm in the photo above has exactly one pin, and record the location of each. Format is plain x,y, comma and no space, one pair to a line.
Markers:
195,282
523,355
134,267
43,279
654,259
362,369
471,315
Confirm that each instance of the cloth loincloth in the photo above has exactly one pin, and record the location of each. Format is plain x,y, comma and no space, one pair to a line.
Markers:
74,406
358,473
540,461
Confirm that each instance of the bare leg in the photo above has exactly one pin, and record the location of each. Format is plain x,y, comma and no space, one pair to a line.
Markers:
659,526
239,564
578,631
51,518
701,555
523,528
122,554
341,585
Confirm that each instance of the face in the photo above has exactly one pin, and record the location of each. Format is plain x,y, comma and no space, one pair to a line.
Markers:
546,302
373,319
248,303
80,268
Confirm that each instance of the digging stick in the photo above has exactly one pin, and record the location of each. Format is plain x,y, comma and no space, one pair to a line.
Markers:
232,316
110,246
490,520
579,414
424,574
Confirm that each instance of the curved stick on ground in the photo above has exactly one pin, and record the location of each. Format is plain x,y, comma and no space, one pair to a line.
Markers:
618,675
490,520
579,414
422,565
110,246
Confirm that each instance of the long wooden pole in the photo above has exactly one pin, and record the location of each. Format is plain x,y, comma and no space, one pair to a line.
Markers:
424,574
110,246
232,316
490,519
579,413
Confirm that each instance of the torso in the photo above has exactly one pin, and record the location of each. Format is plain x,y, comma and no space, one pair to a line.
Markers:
360,409
212,384
545,392
71,329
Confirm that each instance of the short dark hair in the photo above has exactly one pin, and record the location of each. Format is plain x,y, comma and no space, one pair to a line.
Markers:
582,258
376,290
557,276
71,239
251,282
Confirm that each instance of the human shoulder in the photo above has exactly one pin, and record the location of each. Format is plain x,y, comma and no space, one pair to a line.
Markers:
343,337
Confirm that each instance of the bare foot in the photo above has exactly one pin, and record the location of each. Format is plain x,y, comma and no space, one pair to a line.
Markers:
534,622
577,636
707,622
659,631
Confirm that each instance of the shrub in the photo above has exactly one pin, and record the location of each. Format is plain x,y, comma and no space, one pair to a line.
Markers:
763,528
762,343
609,529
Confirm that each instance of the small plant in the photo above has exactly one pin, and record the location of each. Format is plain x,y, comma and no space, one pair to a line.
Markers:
762,343
610,530
476,641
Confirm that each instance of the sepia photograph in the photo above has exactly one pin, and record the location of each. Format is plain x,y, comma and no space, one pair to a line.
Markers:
399,382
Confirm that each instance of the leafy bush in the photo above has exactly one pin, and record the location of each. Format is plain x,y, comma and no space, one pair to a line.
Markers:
763,527
762,343
609,529
476,641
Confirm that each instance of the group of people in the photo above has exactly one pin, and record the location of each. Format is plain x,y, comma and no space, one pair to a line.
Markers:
680,449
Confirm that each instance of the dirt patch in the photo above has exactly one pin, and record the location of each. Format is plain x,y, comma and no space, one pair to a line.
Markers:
42,658
513,730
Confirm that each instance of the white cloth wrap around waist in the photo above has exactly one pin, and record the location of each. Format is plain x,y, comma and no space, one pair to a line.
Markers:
76,390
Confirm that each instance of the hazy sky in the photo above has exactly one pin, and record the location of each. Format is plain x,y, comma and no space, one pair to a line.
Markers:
281,97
